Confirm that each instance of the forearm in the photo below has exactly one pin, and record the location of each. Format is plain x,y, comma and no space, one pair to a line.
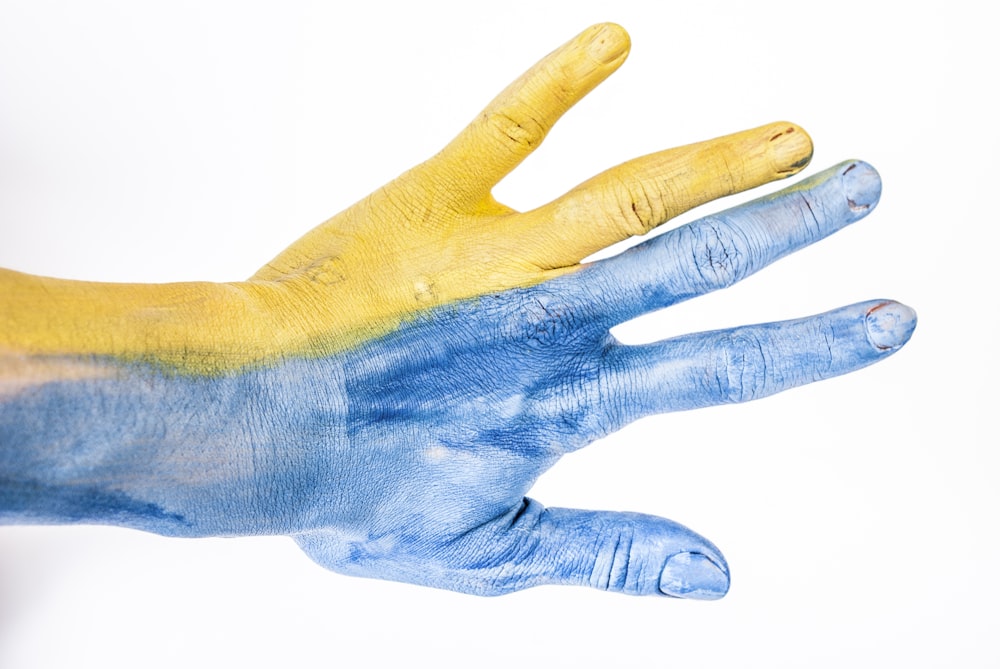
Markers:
180,455
114,408
195,327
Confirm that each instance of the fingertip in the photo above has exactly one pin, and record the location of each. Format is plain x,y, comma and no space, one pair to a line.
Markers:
608,42
516,122
890,325
694,576
862,186
790,146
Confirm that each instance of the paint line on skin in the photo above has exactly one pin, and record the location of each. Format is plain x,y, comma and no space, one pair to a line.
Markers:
389,387
401,250
416,450
489,412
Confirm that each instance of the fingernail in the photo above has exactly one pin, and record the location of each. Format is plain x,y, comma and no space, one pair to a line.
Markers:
609,43
862,186
890,325
693,576
790,146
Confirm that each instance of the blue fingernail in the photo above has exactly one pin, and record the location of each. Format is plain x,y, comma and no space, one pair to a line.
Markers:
862,186
693,576
890,325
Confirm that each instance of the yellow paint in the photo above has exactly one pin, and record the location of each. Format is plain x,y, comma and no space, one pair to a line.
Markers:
432,236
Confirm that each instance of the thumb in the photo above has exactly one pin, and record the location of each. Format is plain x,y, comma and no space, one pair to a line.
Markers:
631,553
531,545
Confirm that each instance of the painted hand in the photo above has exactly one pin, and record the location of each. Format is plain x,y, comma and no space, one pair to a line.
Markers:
389,388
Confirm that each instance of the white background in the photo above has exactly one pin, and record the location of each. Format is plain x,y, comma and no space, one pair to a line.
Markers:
193,140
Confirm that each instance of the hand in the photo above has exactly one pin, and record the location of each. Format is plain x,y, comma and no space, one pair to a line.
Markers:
388,388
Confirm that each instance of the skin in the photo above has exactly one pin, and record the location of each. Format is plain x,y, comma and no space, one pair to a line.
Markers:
388,388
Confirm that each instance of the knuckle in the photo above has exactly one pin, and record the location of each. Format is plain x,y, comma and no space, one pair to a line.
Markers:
545,321
614,560
516,129
637,212
719,252
742,370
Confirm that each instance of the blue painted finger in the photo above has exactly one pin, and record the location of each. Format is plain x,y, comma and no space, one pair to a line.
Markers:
717,251
630,553
746,363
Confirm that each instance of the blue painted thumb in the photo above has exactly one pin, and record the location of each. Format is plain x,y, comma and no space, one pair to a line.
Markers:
630,553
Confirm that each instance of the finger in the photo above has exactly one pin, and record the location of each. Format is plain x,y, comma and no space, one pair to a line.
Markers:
635,197
744,363
629,553
717,251
517,120
530,545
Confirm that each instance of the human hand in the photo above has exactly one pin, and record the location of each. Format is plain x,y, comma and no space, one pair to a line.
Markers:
388,388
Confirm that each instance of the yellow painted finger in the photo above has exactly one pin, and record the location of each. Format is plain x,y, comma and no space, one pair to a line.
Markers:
518,119
636,196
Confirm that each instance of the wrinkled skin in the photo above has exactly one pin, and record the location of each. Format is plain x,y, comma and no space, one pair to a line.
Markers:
387,390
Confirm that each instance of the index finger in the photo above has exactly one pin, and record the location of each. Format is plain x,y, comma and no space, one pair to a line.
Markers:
518,119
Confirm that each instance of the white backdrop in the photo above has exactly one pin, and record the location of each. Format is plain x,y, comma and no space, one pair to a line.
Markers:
194,140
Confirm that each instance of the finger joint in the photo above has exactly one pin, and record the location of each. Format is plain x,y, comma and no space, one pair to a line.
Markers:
719,252
742,367
521,133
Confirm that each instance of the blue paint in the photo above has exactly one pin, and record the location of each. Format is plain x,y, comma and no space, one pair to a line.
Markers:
32,501
410,456
721,249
